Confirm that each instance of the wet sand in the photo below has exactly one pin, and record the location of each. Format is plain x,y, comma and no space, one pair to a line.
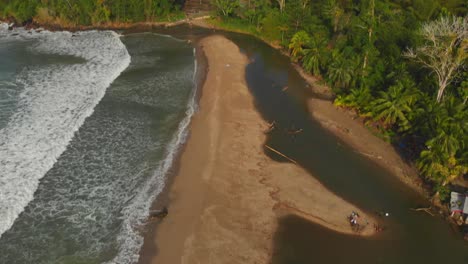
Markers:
227,197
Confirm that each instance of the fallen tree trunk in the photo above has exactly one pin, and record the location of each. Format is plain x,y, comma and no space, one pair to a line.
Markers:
281,154
427,210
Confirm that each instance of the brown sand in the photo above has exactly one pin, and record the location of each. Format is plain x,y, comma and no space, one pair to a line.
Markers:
228,195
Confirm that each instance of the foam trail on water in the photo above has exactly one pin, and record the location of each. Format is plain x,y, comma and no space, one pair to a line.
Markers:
130,240
54,103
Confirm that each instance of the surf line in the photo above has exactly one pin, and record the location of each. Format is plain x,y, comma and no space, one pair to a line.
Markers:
53,105
130,238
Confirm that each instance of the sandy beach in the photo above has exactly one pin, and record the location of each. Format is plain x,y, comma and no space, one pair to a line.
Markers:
227,197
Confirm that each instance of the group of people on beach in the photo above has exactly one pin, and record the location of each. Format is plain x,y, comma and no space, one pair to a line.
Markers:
353,220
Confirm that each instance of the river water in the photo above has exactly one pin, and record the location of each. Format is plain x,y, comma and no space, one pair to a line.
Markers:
410,237
90,123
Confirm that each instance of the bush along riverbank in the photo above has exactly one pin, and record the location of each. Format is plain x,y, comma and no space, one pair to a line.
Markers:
398,66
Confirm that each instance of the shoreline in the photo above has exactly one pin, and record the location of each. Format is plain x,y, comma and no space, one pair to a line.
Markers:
225,198
147,251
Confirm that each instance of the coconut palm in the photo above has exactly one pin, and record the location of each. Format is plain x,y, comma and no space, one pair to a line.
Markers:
451,128
435,165
314,56
298,43
358,98
340,72
335,13
444,158
395,106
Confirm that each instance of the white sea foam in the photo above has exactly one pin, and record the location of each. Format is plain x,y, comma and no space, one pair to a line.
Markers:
129,239
54,103
3,26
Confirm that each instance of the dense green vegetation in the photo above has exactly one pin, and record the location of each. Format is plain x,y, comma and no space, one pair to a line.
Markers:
398,63
89,12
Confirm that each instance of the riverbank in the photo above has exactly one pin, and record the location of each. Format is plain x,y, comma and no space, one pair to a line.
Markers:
345,125
228,195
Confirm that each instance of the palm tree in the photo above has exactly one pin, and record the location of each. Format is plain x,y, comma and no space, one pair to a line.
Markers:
297,44
444,158
438,167
429,163
340,72
451,127
357,98
335,13
394,106
314,56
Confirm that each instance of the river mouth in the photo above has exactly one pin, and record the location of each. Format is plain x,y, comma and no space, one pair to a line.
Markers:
409,237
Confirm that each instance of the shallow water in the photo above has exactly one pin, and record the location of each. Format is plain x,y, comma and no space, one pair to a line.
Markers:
89,206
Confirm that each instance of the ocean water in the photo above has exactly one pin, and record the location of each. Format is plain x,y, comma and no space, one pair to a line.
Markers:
90,123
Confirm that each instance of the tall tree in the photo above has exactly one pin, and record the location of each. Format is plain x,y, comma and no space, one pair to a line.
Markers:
282,4
225,7
445,49
335,13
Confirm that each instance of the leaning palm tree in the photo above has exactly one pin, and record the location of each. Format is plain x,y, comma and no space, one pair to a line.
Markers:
298,43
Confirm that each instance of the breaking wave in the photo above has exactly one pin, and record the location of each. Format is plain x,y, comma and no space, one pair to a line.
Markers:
54,102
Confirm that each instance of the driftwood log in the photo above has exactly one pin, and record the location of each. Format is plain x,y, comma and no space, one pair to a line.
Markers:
159,213
295,131
281,154
427,210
